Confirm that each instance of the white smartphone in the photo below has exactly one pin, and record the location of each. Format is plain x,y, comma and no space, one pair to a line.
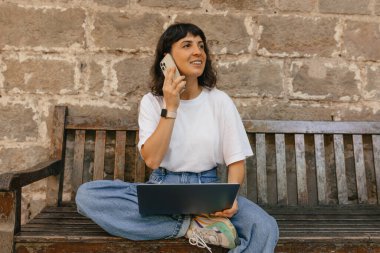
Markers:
168,62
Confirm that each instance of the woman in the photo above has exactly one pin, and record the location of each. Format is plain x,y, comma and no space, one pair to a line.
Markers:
199,128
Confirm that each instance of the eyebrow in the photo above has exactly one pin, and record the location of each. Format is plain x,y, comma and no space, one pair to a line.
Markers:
191,41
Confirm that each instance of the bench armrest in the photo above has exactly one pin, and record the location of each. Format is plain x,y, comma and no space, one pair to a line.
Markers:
14,180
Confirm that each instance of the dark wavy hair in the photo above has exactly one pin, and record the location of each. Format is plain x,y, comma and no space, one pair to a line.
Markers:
173,34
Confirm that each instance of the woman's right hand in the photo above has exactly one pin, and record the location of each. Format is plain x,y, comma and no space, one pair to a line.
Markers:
172,90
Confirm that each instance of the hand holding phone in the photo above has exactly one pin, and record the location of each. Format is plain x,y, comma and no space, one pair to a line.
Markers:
168,62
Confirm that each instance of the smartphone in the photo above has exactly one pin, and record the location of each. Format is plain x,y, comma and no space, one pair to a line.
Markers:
168,62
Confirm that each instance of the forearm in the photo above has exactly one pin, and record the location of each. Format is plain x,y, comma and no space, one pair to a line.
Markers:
236,172
156,146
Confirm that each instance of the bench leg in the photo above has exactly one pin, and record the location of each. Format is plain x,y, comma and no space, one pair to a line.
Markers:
9,223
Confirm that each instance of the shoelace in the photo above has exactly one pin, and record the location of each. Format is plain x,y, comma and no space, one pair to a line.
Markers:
198,241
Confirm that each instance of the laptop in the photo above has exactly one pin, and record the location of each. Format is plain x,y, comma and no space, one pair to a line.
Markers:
154,199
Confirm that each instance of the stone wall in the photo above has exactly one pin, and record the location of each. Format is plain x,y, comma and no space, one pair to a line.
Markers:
278,59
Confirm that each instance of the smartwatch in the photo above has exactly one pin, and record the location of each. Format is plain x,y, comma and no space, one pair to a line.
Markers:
166,114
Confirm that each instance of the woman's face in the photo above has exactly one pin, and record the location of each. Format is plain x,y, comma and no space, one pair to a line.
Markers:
189,55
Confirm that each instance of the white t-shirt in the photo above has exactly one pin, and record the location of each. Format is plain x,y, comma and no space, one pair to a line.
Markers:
207,131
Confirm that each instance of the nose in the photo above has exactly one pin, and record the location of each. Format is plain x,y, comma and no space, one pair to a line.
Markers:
197,50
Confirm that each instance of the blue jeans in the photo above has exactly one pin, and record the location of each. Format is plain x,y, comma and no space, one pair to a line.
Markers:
113,206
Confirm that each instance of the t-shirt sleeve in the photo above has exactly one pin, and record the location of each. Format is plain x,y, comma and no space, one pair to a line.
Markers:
148,119
235,143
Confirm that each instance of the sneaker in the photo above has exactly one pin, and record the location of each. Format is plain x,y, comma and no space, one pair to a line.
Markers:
212,230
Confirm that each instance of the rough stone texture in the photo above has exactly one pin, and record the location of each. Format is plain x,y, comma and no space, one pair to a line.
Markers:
216,29
256,77
14,159
113,3
344,6
242,4
187,4
38,75
320,78
362,40
377,7
133,76
127,31
17,115
95,75
373,85
297,35
290,110
36,27
296,5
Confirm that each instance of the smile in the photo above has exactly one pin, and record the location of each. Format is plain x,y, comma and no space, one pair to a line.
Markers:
197,62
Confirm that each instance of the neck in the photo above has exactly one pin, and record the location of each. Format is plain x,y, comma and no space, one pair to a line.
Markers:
193,89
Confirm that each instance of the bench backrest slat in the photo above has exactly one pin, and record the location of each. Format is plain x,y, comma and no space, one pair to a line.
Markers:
340,169
320,161
77,177
262,185
121,140
303,198
100,144
361,181
376,158
282,192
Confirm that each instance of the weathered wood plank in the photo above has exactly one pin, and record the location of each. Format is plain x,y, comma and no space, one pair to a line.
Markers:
361,181
282,188
320,166
311,127
8,213
77,174
262,188
139,169
376,158
121,139
303,197
340,169
58,147
100,142
97,123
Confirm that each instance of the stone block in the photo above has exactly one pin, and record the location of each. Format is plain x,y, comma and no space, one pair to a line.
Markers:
296,5
329,80
221,38
94,73
133,75
373,82
16,122
186,4
297,36
29,27
303,110
345,6
256,77
377,7
14,159
113,3
127,31
38,75
362,40
242,4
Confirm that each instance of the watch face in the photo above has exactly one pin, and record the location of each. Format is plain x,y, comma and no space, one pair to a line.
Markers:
164,113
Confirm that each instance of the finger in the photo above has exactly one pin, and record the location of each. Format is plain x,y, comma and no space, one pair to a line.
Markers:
168,81
180,87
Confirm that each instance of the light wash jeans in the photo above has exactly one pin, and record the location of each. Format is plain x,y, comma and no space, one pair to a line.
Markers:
113,206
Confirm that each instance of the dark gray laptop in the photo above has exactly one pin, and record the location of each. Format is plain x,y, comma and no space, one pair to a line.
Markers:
185,198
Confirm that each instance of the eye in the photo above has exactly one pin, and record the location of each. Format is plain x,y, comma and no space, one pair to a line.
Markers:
186,45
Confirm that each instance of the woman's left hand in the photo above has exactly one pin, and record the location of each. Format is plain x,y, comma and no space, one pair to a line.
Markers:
228,212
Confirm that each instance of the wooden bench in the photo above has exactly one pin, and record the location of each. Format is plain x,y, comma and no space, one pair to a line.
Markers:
320,180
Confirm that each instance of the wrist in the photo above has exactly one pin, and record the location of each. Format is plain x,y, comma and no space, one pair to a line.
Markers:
166,113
